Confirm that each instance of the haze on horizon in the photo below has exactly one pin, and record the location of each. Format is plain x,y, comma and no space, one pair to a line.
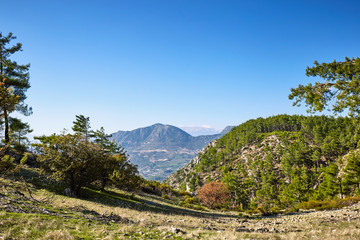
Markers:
130,64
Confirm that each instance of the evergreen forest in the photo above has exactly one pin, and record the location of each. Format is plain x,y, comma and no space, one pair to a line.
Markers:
281,161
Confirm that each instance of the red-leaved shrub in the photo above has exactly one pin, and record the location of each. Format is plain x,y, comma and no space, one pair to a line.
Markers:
214,195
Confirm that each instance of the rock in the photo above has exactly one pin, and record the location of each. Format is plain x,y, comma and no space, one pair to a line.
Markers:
262,230
114,218
46,211
91,212
68,192
242,229
19,193
176,230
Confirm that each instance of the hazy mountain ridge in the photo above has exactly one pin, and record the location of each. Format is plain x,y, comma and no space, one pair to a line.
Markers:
198,131
161,149
226,130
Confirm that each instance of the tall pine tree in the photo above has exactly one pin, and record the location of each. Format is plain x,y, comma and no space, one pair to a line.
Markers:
15,79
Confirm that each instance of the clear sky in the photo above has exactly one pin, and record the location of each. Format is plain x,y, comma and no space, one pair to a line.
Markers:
131,63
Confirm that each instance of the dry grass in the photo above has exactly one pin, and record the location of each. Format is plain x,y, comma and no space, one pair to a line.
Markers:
58,235
154,218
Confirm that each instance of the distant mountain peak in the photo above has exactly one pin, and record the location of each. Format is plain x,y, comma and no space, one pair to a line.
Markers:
205,130
149,146
201,130
159,124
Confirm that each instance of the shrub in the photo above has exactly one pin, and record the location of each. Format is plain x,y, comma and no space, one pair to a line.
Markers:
121,172
293,209
264,209
184,193
275,210
10,161
6,164
156,188
71,159
329,204
79,163
215,195
191,200
192,206
164,196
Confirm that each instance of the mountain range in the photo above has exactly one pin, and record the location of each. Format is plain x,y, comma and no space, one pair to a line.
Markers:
160,149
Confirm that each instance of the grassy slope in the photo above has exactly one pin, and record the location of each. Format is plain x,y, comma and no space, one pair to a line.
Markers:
31,208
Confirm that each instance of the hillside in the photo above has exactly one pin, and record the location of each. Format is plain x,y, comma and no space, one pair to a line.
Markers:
160,149
279,161
33,208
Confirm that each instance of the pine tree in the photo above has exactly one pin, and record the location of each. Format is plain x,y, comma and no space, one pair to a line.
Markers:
15,79
82,126
104,141
8,102
352,174
340,88
331,184
18,131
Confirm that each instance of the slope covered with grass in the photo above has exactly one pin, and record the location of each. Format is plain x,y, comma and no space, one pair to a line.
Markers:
31,207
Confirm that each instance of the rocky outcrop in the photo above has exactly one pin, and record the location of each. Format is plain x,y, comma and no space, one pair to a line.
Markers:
177,178
245,155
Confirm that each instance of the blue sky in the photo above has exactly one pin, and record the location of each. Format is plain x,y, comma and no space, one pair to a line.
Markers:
129,64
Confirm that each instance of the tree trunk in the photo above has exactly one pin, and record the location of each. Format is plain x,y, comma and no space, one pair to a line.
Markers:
103,184
341,190
77,191
7,139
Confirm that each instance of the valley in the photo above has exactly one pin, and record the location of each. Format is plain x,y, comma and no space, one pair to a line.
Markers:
159,150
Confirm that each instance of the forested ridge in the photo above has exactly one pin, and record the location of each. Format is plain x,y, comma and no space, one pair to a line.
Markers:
281,161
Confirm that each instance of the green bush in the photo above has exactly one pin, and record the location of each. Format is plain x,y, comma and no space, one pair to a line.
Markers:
329,204
264,210
157,188
293,209
184,193
275,210
80,163
192,206
7,164
164,196
191,200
